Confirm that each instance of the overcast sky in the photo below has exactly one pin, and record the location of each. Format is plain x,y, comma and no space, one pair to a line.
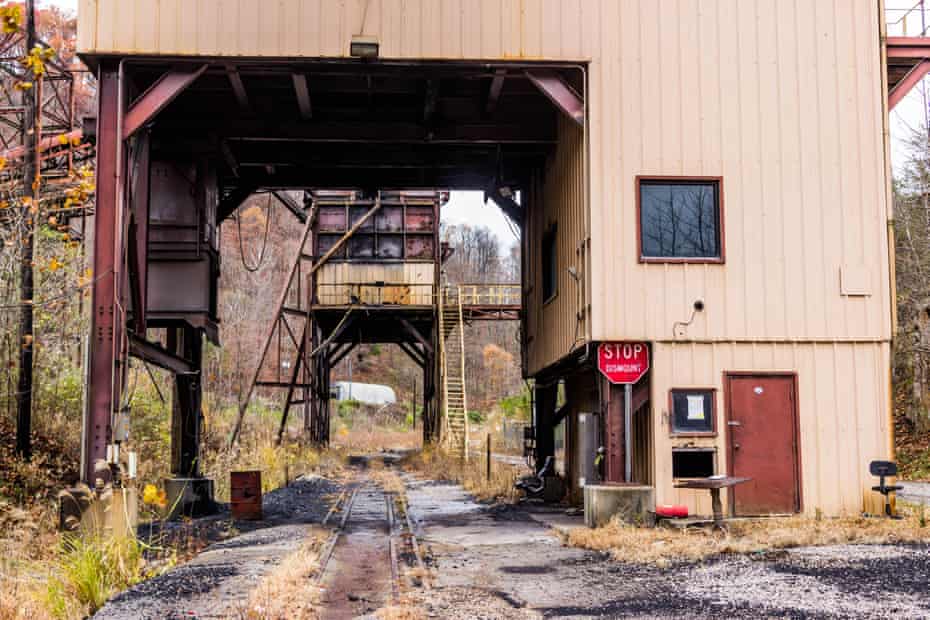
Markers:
468,207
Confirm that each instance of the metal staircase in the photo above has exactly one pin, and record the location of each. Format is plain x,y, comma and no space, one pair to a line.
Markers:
452,348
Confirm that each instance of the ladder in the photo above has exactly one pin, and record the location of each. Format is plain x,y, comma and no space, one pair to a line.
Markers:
452,350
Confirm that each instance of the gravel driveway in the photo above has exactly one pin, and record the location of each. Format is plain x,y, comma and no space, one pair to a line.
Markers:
503,563
218,582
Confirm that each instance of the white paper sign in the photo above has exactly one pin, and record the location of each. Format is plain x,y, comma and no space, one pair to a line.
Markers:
695,407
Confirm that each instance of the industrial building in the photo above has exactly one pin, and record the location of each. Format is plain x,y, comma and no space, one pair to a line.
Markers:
707,179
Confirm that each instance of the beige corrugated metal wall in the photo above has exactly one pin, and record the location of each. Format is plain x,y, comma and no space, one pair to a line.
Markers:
784,101
335,280
556,326
842,399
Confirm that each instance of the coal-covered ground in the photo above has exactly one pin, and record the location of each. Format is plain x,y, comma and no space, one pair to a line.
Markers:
218,582
493,562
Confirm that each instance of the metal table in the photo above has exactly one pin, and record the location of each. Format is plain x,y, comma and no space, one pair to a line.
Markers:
713,485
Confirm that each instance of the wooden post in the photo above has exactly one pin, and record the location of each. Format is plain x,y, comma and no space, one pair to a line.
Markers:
489,458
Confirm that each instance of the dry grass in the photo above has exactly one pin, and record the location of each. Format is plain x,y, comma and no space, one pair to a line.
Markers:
289,591
403,609
387,479
370,438
663,546
472,475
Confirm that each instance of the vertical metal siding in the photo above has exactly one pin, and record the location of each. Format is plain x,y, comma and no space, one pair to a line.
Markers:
783,100
842,400
557,325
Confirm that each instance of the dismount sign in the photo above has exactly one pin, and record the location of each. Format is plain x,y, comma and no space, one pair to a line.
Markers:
623,362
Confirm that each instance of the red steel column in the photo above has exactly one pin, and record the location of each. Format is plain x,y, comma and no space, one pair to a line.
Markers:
106,319
612,400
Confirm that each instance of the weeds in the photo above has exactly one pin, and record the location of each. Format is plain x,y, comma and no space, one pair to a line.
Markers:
472,475
662,546
93,569
288,593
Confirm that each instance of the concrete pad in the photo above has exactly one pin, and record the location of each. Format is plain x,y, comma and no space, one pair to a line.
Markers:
632,503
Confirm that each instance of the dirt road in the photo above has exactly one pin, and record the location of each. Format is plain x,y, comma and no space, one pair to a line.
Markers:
507,562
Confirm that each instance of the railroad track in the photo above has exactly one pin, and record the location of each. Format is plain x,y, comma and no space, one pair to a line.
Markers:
374,524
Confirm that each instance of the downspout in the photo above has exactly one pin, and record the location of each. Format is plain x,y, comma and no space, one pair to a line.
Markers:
889,215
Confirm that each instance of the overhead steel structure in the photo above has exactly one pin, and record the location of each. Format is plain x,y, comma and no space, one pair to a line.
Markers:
181,143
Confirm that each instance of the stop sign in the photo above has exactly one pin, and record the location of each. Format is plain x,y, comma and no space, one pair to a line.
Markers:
623,362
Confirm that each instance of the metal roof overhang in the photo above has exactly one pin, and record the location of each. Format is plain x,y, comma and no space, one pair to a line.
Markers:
305,124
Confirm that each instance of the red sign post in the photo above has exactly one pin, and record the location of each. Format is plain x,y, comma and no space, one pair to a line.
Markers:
623,363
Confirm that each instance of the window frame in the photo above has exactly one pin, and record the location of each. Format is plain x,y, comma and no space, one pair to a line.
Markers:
552,233
721,220
713,412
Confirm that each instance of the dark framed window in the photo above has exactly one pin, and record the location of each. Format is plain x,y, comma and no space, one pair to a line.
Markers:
693,411
693,462
680,219
550,267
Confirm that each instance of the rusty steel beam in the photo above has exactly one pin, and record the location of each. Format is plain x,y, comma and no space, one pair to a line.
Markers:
157,355
106,316
302,90
413,354
912,79
413,331
908,47
291,205
494,93
535,130
238,86
561,94
165,90
234,200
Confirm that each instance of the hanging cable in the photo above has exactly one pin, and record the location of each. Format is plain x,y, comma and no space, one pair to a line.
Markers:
261,255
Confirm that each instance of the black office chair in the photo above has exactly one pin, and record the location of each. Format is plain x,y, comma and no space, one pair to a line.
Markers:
883,469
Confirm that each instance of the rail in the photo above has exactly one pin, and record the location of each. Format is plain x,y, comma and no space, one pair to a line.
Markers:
908,21
489,294
417,294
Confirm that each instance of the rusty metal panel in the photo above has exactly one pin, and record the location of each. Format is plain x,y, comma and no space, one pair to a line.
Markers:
245,495
420,247
420,219
331,219
361,246
180,287
390,246
326,242
173,199
390,219
356,213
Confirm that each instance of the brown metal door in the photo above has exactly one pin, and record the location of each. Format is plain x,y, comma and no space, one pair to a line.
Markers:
762,441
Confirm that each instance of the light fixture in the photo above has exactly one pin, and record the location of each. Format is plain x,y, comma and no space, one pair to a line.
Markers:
364,47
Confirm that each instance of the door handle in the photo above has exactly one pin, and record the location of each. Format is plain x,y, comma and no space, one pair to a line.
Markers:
734,423
736,446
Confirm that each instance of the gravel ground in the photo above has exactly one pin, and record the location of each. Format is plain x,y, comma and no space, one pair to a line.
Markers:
217,583
501,562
